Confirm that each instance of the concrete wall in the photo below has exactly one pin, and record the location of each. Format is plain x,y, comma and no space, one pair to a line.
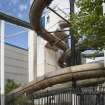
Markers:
16,64
51,62
59,6
40,56
47,59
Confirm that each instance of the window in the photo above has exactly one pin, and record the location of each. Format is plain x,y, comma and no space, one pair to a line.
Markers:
43,21
48,19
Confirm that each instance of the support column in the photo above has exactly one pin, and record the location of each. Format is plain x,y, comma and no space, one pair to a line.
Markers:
104,58
32,55
73,56
2,82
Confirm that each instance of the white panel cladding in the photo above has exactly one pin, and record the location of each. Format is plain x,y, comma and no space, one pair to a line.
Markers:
40,56
51,55
32,55
58,6
19,78
40,69
15,53
16,64
48,58
16,70
51,60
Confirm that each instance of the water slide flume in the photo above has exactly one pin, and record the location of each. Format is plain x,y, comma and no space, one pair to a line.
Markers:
54,39
84,75
35,16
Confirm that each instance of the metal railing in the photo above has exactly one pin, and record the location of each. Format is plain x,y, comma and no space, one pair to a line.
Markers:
69,96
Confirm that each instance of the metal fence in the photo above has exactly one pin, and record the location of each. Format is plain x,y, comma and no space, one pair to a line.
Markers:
69,96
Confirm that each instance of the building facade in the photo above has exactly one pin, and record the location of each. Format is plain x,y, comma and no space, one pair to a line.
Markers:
16,64
47,58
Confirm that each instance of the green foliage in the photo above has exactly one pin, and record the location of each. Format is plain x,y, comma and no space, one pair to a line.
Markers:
90,23
19,100
22,100
10,85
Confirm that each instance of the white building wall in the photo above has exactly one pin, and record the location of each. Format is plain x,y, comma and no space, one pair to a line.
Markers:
40,56
62,8
52,56
16,64
51,62
47,59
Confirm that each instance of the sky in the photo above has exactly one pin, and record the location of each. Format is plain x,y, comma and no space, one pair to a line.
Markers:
19,9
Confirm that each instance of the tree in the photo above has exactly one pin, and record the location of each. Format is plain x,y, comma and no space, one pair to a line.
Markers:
19,100
10,85
89,23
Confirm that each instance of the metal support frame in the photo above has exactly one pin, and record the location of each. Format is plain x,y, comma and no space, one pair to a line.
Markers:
75,60
59,31
72,37
2,79
58,15
73,50
15,20
22,23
